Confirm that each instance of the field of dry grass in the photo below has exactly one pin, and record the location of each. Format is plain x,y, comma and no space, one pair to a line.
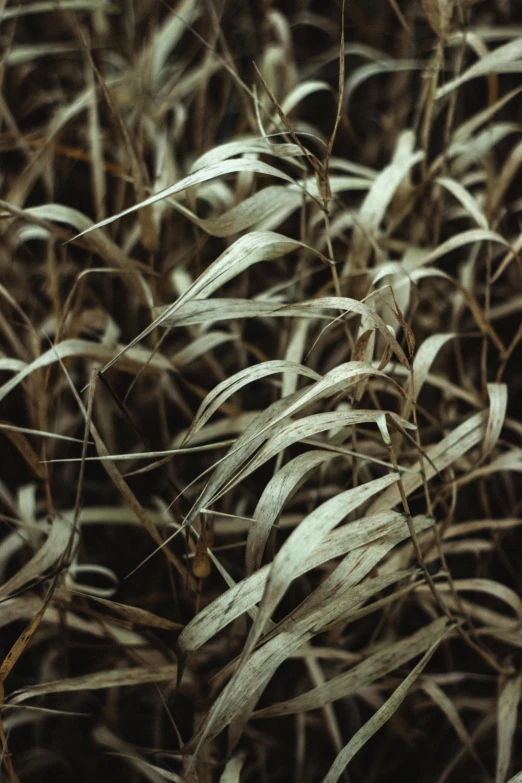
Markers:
260,389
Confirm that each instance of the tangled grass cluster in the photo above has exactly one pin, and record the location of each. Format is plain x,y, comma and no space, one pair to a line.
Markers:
260,347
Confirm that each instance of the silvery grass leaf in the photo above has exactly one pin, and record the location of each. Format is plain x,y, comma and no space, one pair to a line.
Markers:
332,600
379,718
375,666
48,6
26,606
466,199
100,242
233,467
457,241
204,311
375,204
440,698
234,166
424,358
464,131
20,55
498,400
496,589
136,615
136,675
230,386
295,352
136,360
468,153
248,250
262,664
278,490
504,59
50,553
443,454
199,347
295,431
247,593
385,65
245,146
155,54
268,208
301,543
40,433
347,305
508,703
232,771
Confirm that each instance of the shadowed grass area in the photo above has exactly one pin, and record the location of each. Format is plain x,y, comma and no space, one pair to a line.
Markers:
260,346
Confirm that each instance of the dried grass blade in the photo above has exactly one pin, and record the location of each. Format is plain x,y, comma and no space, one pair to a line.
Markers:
136,615
278,490
230,386
466,199
232,771
48,6
448,450
379,719
203,311
498,401
47,556
504,59
301,543
507,710
136,360
249,591
379,197
5,425
128,495
371,669
137,675
339,593
439,698
210,172
247,250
